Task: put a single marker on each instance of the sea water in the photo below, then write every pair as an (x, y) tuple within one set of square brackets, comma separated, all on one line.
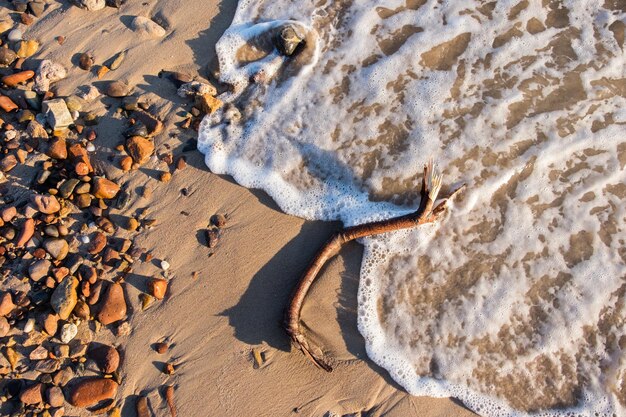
[(515, 301)]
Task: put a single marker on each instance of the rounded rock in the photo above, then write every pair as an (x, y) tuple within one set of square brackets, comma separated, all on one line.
[(107, 358), (57, 248), (46, 204), (68, 332), (113, 307), (117, 89), (91, 391), (32, 395), (64, 297)]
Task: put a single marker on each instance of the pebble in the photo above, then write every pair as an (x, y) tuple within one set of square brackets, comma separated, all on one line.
[(27, 48), (145, 26), (88, 93), (46, 204), (104, 188), (208, 104), (153, 125), (219, 220), (117, 89), (92, 5), (8, 213), (37, 7), (107, 358), (30, 325), (54, 397), (140, 149), (47, 366), (126, 163), (8, 163), (212, 237), (15, 35), (157, 288), (90, 391), (51, 323), (32, 395), (165, 177), (27, 231), (6, 304), (117, 60), (85, 61), (38, 354), (82, 310), (68, 332), (57, 149), (165, 265), (7, 104), (16, 79), (113, 305), (57, 248), (98, 243), (39, 269), (57, 114), (4, 327), (47, 73), (67, 188), (142, 407), (64, 297)]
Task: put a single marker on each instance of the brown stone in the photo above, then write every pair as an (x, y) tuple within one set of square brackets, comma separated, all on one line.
[(8, 213), (14, 80), (32, 395), (165, 177), (85, 61), (126, 163), (46, 204), (82, 310), (153, 125), (90, 391), (113, 306), (78, 155), (106, 357), (161, 348), (57, 149), (65, 297), (104, 188), (98, 242), (142, 407), (157, 288), (54, 397), (6, 304), (208, 104), (27, 231), (7, 104), (8, 163), (51, 323), (139, 149), (4, 327)]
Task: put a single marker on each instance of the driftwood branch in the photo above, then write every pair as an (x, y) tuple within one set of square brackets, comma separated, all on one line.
[(427, 212)]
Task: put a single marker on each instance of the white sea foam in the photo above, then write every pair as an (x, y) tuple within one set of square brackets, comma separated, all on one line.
[(515, 302)]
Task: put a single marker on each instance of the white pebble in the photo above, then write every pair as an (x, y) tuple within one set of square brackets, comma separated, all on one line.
[(68, 332), (15, 35), (29, 326), (85, 239), (91, 147), (165, 265), (10, 134)]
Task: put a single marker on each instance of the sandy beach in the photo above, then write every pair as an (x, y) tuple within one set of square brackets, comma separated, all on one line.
[(223, 302)]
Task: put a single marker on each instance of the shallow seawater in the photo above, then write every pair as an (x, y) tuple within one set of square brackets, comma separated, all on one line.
[(515, 302)]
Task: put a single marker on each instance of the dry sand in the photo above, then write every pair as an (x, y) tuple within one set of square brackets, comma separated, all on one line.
[(236, 303)]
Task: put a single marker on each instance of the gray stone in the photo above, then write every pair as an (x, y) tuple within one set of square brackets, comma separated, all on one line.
[(196, 88), (68, 332), (39, 269), (57, 114), (58, 248), (145, 26)]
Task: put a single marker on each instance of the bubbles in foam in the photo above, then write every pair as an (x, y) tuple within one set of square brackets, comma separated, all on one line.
[(514, 303)]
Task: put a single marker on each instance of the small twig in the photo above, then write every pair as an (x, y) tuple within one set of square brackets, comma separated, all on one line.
[(427, 212)]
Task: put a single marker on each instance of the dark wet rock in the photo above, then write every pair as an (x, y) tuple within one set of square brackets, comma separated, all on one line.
[(288, 40), (106, 357)]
